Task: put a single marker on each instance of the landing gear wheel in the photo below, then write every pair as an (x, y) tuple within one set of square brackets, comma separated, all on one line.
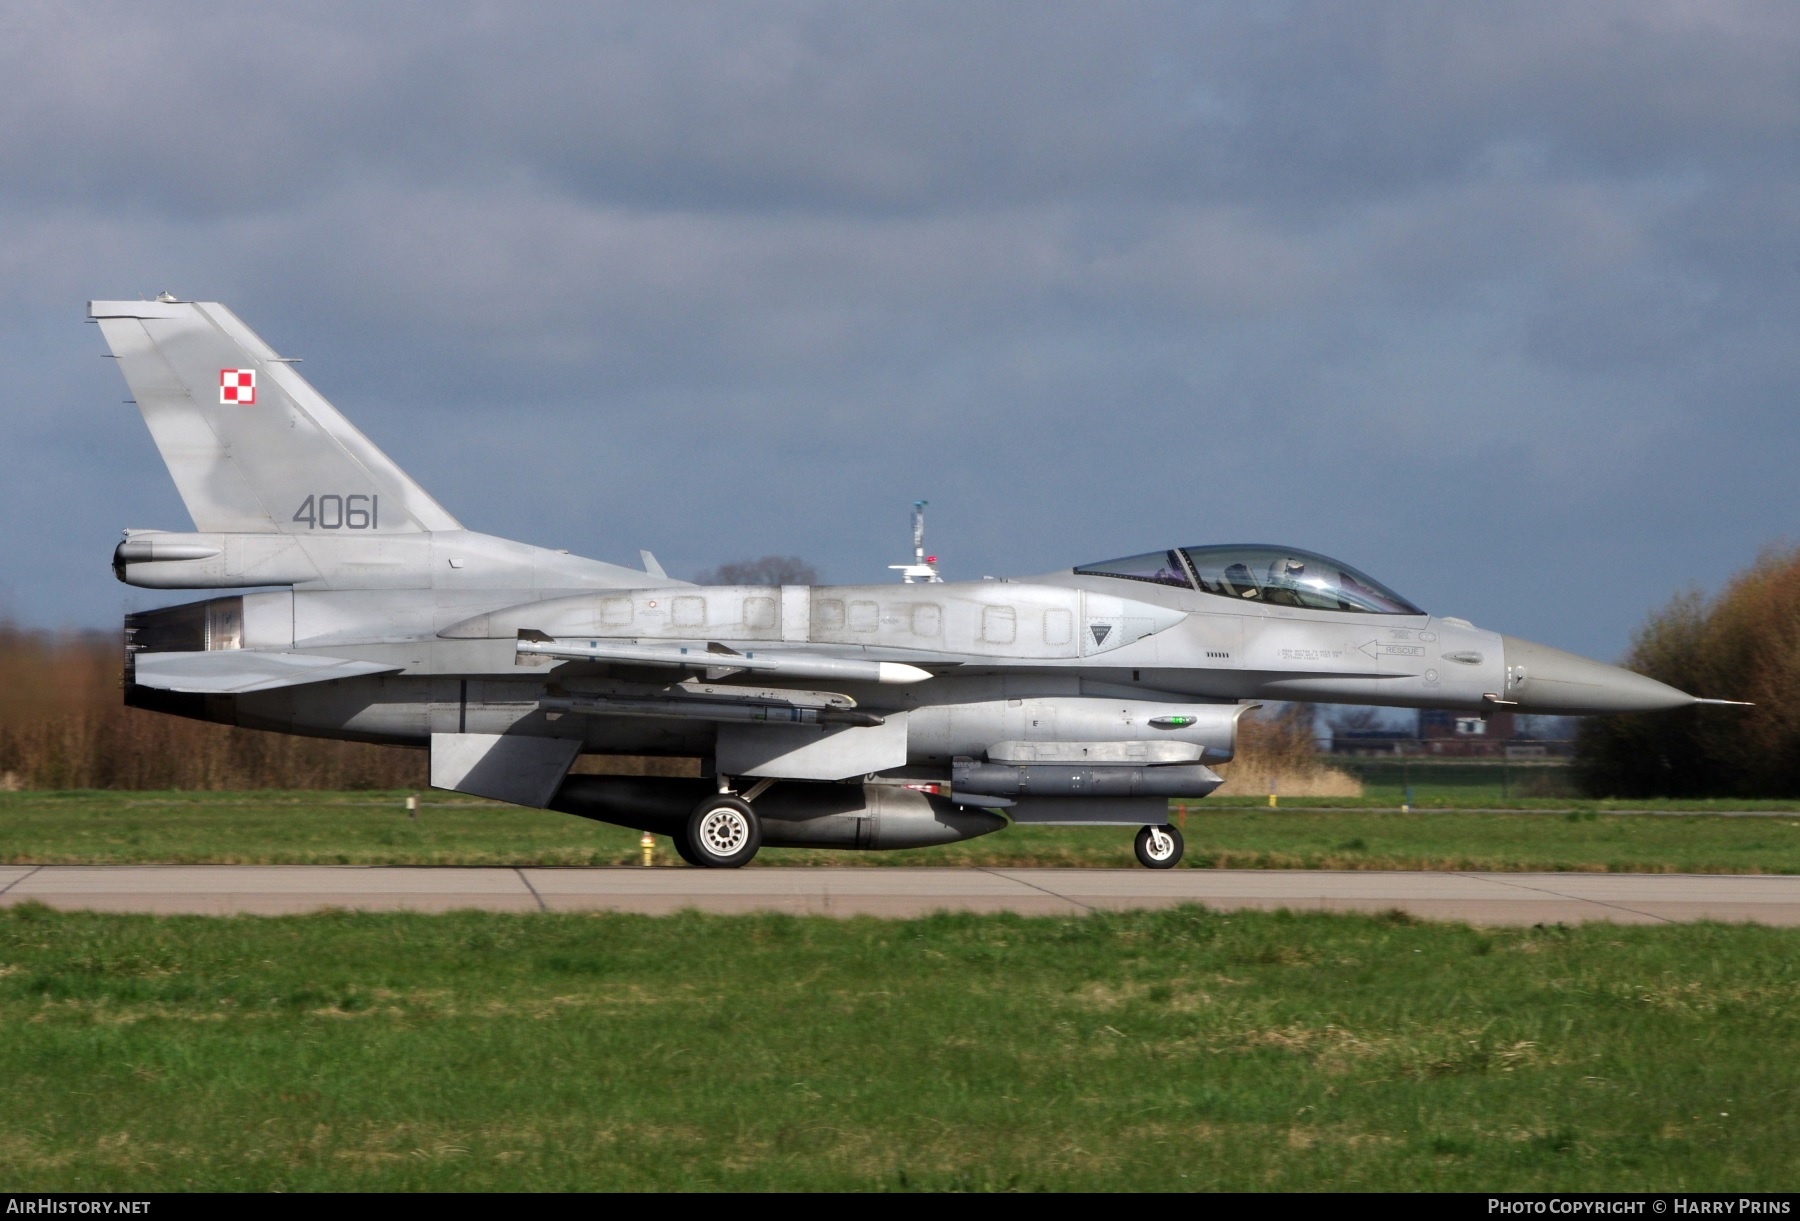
[(1158, 847), (723, 832)]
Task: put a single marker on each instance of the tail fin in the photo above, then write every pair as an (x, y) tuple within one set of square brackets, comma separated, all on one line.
[(251, 446)]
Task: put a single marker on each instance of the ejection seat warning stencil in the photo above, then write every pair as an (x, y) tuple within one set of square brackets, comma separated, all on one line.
[(237, 386)]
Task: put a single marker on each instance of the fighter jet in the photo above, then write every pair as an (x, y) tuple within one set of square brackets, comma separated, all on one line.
[(834, 716)]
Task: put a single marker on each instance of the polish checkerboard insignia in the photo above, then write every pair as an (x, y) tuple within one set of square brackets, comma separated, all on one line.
[(237, 386)]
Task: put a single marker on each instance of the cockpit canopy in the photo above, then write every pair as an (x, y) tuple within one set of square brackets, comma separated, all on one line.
[(1279, 576)]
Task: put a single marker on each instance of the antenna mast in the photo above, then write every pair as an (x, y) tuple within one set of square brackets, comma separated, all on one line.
[(923, 567)]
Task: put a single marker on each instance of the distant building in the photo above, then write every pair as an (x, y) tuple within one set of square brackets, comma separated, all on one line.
[(1454, 735), (1373, 742), (1466, 734)]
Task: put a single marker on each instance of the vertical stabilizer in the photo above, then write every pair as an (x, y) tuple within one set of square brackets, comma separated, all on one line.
[(252, 448)]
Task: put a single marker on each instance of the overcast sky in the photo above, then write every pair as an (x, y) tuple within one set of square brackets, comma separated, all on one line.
[(1494, 301)]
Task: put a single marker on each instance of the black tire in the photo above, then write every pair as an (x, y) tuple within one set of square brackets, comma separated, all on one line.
[(1163, 855), (723, 832), (679, 839)]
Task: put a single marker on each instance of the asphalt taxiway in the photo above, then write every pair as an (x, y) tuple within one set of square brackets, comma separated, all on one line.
[(1479, 898)]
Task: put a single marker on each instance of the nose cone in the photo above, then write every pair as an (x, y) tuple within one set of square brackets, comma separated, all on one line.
[(1543, 679)]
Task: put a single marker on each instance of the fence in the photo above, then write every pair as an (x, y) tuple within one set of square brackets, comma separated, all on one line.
[(1503, 777)]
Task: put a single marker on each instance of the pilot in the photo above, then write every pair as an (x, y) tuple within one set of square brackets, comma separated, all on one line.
[(1283, 586), (1239, 581)]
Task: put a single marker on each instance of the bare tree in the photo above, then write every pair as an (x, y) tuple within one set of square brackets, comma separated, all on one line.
[(1353, 718), (1544, 728), (768, 570), (1279, 737), (1742, 644)]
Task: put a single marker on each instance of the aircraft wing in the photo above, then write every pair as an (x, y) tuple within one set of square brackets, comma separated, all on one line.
[(234, 671)]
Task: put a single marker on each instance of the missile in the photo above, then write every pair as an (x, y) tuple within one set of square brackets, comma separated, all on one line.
[(690, 709), (718, 657)]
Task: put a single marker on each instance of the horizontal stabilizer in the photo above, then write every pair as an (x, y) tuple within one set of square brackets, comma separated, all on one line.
[(235, 671)]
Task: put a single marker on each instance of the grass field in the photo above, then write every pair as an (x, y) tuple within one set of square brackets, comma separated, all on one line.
[(365, 828), (1153, 1050)]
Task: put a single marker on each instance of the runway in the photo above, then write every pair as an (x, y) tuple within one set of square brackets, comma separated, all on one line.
[(1479, 898)]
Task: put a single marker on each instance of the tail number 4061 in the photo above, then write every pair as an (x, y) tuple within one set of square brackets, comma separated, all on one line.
[(321, 512)]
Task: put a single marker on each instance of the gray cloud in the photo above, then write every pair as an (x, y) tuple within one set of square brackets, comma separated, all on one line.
[(1493, 301)]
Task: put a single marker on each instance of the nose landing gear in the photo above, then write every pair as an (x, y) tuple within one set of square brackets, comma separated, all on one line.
[(1158, 847)]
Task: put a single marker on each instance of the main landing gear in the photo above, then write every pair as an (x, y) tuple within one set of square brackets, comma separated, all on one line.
[(723, 832), (1158, 847)]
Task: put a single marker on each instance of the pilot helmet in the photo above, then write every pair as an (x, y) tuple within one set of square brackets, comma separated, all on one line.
[(1286, 572)]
